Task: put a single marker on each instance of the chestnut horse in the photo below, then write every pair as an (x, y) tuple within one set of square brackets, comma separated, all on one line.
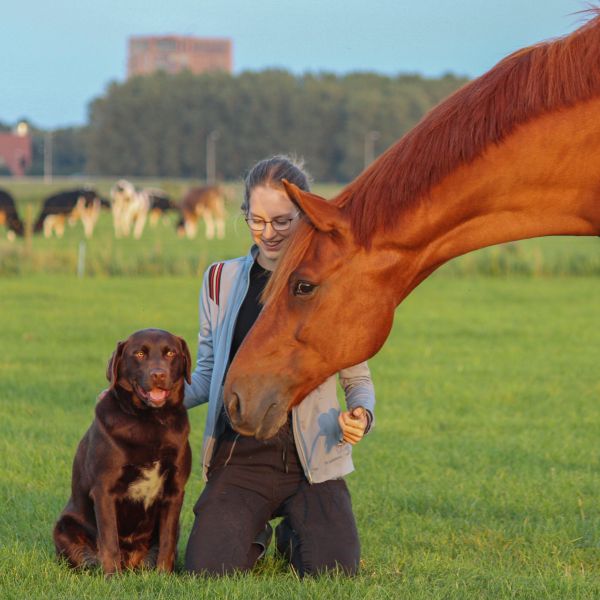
[(514, 154)]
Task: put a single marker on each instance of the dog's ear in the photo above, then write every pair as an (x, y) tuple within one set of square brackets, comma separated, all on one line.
[(112, 368), (187, 360)]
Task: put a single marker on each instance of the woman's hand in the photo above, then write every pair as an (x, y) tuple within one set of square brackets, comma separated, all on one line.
[(353, 424)]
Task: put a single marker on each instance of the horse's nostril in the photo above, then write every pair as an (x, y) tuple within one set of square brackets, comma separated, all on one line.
[(233, 408)]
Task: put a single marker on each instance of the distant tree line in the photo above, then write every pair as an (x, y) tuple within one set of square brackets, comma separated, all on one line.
[(158, 125)]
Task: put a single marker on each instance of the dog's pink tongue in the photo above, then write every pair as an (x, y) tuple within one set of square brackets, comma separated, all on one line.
[(157, 395)]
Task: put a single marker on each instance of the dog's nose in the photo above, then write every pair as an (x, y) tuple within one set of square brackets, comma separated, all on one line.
[(158, 376)]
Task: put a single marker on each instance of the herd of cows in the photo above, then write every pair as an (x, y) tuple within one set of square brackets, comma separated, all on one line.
[(131, 208)]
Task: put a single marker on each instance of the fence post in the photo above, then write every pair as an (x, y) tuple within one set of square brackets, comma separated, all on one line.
[(81, 260), (28, 234)]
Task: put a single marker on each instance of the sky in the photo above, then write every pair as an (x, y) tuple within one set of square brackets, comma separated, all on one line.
[(55, 57)]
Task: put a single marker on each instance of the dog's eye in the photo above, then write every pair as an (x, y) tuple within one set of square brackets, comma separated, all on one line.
[(140, 354), (170, 353)]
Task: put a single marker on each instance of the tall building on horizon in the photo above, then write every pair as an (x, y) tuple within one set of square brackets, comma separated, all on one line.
[(175, 53)]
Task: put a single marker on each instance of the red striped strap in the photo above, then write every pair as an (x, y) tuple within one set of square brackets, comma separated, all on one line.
[(214, 282)]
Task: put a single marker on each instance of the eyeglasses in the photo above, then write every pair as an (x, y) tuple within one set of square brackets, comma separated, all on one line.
[(279, 224)]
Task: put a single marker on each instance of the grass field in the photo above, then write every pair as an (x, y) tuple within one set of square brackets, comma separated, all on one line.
[(480, 479)]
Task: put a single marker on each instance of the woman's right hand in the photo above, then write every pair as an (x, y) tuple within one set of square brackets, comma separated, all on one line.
[(353, 424)]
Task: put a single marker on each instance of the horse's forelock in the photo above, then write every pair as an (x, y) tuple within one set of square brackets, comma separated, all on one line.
[(295, 251)]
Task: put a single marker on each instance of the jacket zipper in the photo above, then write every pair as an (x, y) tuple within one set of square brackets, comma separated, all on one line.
[(299, 445)]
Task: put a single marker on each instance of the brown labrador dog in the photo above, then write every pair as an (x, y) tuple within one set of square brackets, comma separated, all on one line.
[(131, 466)]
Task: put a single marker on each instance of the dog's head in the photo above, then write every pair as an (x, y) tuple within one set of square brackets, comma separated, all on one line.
[(152, 364)]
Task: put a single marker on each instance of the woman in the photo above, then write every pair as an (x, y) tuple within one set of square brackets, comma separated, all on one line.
[(297, 474)]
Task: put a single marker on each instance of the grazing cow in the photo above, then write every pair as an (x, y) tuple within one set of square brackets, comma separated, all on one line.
[(9, 216), (159, 202), (203, 202), (131, 208), (69, 206)]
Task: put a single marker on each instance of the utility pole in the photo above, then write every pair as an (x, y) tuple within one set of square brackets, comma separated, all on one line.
[(48, 157), (211, 156)]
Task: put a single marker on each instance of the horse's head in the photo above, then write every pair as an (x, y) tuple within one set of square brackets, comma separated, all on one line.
[(328, 306), (497, 161)]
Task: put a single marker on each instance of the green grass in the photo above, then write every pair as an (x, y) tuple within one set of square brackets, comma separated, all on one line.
[(480, 479)]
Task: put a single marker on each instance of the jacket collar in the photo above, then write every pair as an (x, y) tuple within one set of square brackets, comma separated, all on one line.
[(252, 254)]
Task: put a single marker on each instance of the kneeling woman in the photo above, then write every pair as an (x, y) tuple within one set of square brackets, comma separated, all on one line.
[(298, 474)]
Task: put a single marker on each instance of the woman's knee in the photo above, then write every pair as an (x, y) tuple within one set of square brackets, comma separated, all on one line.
[(211, 553), (311, 554), (222, 539), (319, 531)]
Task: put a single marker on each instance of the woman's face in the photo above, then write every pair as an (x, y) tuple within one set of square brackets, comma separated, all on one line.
[(272, 211)]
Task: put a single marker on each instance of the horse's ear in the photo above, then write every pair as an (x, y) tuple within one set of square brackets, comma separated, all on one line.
[(323, 215)]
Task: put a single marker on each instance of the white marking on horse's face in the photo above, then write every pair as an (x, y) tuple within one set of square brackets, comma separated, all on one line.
[(148, 487)]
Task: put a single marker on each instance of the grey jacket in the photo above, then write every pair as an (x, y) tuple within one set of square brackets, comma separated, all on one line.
[(315, 420)]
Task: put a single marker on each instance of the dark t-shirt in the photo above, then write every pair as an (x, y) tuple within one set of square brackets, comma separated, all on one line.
[(250, 308), (248, 313)]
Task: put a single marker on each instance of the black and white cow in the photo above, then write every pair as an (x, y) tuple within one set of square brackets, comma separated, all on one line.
[(131, 207), (160, 203), (69, 206), (9, 216)]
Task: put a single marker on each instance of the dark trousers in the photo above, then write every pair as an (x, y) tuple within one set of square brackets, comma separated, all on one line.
[(251, 482)]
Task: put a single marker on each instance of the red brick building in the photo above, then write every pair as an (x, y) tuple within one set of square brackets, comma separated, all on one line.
[(173, 53), (15, 152)]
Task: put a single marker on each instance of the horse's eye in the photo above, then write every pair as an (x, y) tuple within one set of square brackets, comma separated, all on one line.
[(304, 288)]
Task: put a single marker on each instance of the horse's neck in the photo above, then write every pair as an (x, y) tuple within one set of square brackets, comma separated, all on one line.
[(542, 180)]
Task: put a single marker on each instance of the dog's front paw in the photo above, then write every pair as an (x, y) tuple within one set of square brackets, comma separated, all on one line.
[(111, 564), (166, 564)]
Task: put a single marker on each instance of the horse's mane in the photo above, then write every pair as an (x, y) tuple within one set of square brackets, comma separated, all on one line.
[(526, 84)]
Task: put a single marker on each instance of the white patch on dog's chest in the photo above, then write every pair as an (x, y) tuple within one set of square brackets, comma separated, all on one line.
[(148, 486)]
